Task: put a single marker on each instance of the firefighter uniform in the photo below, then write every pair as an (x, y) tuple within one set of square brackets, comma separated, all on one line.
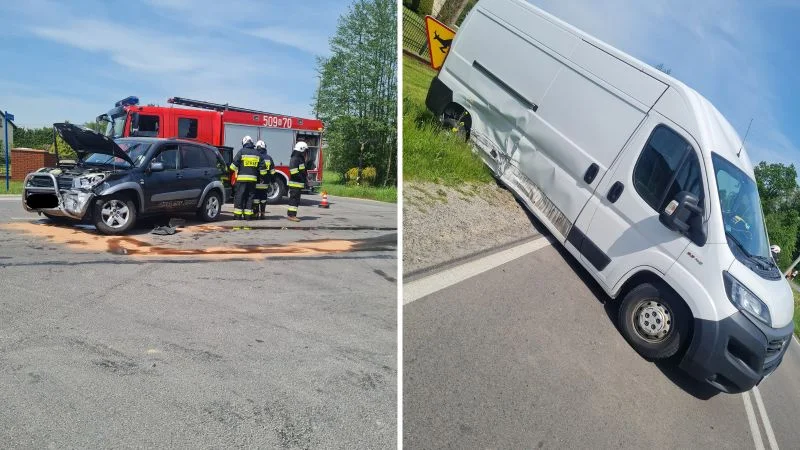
[(248, 165), (297, 178), (260, 201)]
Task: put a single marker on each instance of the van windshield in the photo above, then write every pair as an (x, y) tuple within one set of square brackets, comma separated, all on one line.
[(741, 209)]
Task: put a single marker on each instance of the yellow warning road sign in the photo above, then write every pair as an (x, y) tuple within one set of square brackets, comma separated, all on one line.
[(439, 39)]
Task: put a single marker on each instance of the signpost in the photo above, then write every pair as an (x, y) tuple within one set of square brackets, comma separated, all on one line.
[(440, 37), (7, 117)]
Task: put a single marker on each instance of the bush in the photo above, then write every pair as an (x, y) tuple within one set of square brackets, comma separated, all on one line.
[(425, 7), (368, 176)]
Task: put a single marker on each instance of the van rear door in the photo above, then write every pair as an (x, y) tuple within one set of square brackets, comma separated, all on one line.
[(619, 229)]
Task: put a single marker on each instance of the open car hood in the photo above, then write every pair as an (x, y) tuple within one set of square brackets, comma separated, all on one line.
[(85, 141)]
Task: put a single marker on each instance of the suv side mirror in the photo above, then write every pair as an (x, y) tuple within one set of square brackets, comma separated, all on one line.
[(683, 215), (156, 166)]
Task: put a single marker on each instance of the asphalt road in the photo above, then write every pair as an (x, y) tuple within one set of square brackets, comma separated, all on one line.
[(283, 336), (526, 355)]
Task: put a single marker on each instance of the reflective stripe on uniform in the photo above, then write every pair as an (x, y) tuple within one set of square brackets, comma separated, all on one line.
[(294, 184), (232, 167), (263, 172), (294, 171), (237, 211), (302, 167), (261, 186), (267, 164), (292, 209), (256, 201), (272, 172), (246, 178), (250, 161), (248, 212)]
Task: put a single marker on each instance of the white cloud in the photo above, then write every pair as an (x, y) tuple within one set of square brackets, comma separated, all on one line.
[(715, 46), (300, 39)]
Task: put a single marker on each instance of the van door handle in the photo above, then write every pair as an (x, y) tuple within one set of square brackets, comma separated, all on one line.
[(615, 192), (591, 173), (178, 175)]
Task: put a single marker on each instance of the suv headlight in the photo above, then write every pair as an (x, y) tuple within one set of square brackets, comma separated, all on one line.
[(742, 298), (88, 181)]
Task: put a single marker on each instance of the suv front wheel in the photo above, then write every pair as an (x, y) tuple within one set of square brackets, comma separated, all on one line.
[(115, 214)]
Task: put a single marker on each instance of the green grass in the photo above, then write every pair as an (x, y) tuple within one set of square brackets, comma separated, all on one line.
[(333, 185), (796, 312), (15, 187), (431, 153)]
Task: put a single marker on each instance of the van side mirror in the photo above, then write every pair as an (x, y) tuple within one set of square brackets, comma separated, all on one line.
[(156, 166), (683, 215)]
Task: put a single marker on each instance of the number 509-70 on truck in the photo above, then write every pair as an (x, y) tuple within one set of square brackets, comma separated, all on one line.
[(223, 126)]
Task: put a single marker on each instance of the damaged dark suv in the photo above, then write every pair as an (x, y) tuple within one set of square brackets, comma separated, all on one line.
[(112, 183)]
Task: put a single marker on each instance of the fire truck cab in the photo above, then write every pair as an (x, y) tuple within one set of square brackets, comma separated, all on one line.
[(223, 126)]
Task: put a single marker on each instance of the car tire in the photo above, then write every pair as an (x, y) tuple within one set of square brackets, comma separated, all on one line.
[(277, 190), (655, 321), (115, 214), (211, 208)]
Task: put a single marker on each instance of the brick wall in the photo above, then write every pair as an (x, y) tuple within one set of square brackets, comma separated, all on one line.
[(27, 160)]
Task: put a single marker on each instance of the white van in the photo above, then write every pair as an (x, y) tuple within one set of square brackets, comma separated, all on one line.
[(638, 175)]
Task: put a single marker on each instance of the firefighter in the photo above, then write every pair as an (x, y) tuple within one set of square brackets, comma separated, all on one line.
[(297, 178), (260, 201), (248, 166)]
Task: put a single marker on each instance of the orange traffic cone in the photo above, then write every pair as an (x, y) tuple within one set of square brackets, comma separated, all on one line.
[(324, 203)]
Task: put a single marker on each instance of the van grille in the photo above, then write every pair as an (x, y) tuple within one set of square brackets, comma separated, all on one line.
[(775, 346)]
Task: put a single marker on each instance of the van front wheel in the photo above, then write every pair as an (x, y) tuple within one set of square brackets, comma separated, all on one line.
[(654, 321)]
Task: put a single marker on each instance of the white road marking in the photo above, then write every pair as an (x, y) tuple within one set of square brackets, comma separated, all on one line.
[(5, 198), (773, 444), (751, 419), (417, 289)]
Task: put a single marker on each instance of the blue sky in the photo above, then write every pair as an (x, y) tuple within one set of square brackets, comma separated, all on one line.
[(73, 60), (740, 54)]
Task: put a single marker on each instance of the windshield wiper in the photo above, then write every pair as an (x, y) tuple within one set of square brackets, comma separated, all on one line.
[(757, 258), (738, 244)]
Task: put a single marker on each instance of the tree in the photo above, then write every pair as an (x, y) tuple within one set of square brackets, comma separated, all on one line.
[(778, 189), (99, 127), (777, 185), (357, 93)]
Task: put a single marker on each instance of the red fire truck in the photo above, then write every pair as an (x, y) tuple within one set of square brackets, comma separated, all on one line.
[(223, 126)]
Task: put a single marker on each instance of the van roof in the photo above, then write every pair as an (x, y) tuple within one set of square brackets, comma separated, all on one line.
[(705, 122)]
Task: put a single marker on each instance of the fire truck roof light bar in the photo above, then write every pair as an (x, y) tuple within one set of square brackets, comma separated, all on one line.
[(216, 106), (127, 101)]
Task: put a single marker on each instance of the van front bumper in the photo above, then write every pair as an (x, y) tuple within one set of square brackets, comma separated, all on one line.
[(736, 353)]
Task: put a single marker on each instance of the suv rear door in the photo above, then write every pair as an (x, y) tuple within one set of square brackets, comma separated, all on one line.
[(198, 171)]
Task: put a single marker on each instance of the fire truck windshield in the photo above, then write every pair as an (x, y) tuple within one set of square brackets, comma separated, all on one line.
[(115, 122)]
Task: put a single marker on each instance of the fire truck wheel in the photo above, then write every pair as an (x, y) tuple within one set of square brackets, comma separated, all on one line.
[(211, 207), (277, 190)]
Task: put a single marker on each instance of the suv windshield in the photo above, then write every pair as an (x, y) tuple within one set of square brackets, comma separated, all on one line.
[(136, 150), (741, 209)]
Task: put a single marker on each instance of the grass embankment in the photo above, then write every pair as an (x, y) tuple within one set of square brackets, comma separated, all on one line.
[(15, 187), (431, 153), (333, 184)]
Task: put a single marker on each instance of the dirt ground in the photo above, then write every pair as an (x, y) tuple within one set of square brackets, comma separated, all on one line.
[(442, 224)]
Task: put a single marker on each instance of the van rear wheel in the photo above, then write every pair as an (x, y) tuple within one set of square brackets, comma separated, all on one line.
[(276, 191), (654, 321)]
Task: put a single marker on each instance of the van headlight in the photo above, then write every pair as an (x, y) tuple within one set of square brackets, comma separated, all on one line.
[(742, 298), (88, 181)]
